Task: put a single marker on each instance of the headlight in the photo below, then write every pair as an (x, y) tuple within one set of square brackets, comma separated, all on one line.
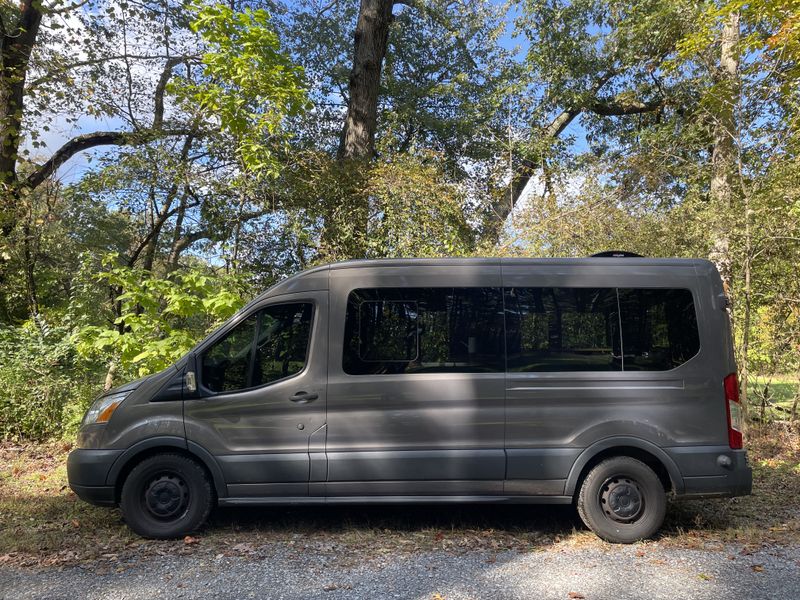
[(102, 408)]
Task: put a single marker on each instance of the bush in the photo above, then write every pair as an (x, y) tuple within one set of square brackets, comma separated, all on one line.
[(44, 385)]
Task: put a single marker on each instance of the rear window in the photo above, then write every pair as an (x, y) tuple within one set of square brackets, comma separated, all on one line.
[(599, 329), (659, 328)]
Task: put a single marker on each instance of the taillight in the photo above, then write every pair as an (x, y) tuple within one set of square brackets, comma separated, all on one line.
[(734, 409)]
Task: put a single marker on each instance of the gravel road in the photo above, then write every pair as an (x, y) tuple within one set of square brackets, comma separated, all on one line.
[(284, 571)]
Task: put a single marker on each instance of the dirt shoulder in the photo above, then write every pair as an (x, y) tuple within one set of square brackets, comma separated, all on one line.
[(42, 523)]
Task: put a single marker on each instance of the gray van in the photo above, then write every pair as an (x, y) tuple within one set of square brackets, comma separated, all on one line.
[(605, 382)]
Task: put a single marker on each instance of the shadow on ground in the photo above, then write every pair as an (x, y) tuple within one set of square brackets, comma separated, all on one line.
[(531, 522)]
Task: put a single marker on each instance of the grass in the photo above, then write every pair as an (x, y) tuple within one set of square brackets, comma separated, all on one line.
[(42, 523), (779, 391)]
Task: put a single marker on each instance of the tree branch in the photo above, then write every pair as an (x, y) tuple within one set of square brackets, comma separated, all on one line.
[(158, 113), (88, 141), (62, 69), (616, 107), (72, 147), (606, 107)]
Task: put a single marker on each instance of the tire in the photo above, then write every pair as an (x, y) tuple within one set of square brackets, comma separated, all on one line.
[(622, 500), (166, 496)]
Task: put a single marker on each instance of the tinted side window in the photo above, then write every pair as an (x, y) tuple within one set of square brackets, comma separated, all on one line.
[(226, 365), (267, 346), (423, 330), (562, 329), (659, 328), (282, 344)]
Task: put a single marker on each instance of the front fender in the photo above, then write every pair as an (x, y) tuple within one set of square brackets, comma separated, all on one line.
[(167, 442)]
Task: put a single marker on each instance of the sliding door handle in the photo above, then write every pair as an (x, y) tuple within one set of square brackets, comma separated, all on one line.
[(304, 397)]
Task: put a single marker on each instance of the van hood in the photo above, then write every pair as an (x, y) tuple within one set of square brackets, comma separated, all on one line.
[(132, 385), (127, 387)]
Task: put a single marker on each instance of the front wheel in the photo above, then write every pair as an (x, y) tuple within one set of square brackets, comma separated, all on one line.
[(622, 500), (166, 496)]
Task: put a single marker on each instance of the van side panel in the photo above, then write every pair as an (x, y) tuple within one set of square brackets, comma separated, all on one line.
[(553, 417)]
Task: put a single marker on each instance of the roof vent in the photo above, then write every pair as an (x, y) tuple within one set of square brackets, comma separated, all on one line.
[(616, 254)]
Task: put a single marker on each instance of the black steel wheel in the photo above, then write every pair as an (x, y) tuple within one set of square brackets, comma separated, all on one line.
[(166, 496), (622, 500)]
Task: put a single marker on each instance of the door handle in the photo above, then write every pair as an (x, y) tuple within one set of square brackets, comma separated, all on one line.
[(304, 397)]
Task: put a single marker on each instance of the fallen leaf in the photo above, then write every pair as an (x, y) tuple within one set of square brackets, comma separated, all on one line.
[(75, 523), (576, 595), (190, 540), (758, 568)]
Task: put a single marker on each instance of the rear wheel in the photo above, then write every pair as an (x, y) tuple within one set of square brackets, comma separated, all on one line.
[(622, 500), (166, 496)]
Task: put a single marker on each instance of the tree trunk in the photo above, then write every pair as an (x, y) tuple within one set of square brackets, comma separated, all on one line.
[(744, 367), (29, 259), (110, 375), (522, 174), (350, 220), (724, 156), (371, 40), (15, 52), (174, 248)]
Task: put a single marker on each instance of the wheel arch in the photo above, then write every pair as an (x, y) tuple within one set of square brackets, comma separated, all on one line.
[(160, 444), (637, 448)]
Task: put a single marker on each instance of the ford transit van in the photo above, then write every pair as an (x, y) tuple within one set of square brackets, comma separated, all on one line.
[(609, 383)]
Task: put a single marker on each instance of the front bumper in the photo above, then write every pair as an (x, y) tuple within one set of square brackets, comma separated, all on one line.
[(87, 472), (713, 471)]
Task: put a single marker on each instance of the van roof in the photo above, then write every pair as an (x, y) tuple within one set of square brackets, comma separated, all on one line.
[(607, 261), (313, 278)]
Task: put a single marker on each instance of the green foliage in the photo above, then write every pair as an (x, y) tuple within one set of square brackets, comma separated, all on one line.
[(404, 207), (417, 212), (158, 319), (46, 384), (250, 85)]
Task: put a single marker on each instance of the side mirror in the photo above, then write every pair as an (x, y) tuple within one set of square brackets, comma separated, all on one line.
[(190, 382), (190, 388), (182, 385)]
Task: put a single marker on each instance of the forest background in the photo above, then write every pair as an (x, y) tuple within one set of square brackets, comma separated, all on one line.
[(161, 162)]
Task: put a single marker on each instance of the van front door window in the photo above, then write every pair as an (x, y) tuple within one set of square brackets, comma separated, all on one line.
[(266, 347)]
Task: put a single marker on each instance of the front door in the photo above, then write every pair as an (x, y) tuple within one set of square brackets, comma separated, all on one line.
[(262, 386)]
